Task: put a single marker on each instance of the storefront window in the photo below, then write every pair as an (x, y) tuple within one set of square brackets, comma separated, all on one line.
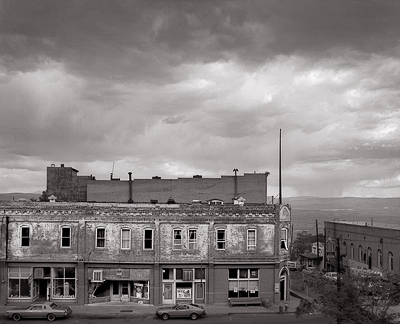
[(18, 283), (243, 283), (64, 283), (140, 289)]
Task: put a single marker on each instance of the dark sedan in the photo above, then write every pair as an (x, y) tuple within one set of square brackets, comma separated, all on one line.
[(192, 311), (48, 310)]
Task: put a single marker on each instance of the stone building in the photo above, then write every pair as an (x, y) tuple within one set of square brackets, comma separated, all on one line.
[(84, 253), (362, 246)]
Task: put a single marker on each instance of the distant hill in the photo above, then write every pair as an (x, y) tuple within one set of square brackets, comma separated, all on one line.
[(382, 212), (17, 195)]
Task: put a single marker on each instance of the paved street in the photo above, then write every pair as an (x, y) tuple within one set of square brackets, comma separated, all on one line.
[(220, 319)]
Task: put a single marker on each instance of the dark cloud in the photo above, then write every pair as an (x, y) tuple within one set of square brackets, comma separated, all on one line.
[(182, 87)]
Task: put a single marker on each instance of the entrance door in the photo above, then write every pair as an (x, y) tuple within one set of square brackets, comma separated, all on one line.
[(120, 291), (115, 295), (167, 294), (199, 292)]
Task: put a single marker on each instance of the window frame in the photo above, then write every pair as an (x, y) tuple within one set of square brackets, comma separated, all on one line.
[(284, 238), (218, 241), (390, 261), (177, 242), (128, 240), (146, 240), (379, 258), (66, 237), (24, 237), (99, 239), (192, 242), (99, 275), (251, 247)]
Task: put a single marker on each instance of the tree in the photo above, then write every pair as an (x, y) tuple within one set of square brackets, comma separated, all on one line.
[(356, 297), (303, 243)]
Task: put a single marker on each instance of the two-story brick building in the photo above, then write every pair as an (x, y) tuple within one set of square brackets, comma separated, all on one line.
[(149, 253)]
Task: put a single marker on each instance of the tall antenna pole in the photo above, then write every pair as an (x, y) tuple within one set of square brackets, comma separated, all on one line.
[(280, 166)]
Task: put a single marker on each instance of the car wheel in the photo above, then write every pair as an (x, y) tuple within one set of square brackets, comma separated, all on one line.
[(51, 317), (165, 316), (16, 317), (194, 316)]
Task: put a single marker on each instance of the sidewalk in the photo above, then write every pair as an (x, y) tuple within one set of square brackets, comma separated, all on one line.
[(129, 309)]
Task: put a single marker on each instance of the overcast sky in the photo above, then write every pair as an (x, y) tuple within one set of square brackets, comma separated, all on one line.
[(177, 88)]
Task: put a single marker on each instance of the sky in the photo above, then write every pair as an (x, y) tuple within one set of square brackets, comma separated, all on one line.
[(175, 88)]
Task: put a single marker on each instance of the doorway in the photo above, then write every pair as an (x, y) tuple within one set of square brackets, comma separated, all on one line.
[(120, 291), (167, 294), (283, 285)]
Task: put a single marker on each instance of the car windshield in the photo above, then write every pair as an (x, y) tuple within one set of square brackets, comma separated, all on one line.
[(53, 305)]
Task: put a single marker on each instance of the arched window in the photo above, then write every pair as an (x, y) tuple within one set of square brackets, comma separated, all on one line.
[(369, 258), (390, 261), (380, 261), (344, 250), (360, 254), (352, 251)]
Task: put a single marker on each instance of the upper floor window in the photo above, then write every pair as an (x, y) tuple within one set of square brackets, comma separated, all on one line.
[(65, 237), (125, 239), (100, 237), (25, 236), (192, 239), (352, 251), (380, 261), (148, 239), (390, 261), (251, 239), (221, 237), (284, 238), (177, 239)]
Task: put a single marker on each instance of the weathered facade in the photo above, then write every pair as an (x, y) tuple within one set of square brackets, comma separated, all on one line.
[(362, 246), (66, 185), (149, 253)]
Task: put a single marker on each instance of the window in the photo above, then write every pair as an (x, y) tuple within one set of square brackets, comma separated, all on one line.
[(64, 283), (65, 237), (284, 238), (97, 276), (148, 239), (19, 285), (243, 283), (251, 239), (192, 239), (390, 261), (360, 254), (352, 251), (221, 239), (25, 236), (177, 239), (125, 239), (100, 237), (380, 263)]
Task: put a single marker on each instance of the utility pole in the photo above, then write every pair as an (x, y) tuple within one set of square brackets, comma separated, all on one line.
[(236, 190), (280, 166), (316, 228), (338, 319)]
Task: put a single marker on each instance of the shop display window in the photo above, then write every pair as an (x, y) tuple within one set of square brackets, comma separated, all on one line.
[(243, 283), (19, 283), (64, 285)]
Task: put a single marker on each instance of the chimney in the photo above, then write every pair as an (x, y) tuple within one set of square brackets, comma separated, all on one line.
[(130, 201)]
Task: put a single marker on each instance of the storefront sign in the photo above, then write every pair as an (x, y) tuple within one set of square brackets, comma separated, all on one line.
[(182, 293)]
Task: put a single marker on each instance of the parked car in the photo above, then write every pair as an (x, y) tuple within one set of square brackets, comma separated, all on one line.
[(331, 275), (192, 311), (47, 310)]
